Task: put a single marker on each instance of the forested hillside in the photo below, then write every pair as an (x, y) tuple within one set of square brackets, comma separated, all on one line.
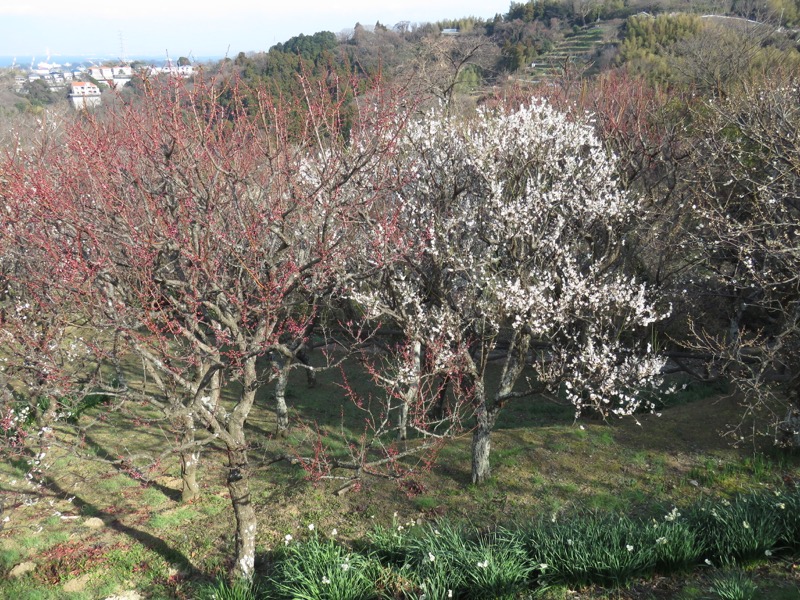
[(666, 42)]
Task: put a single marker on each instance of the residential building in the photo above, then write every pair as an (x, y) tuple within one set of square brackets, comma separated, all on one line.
[(84, 94)]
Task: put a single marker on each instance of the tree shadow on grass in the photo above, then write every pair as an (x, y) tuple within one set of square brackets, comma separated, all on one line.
[(157, 545), (124, 469)]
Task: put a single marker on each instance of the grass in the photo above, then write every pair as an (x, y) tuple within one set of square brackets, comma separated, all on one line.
[(173, 519), (578, 550), (544, 464), (9, 558), (154, 497), (734, 584), (42, 540), (116, 483)]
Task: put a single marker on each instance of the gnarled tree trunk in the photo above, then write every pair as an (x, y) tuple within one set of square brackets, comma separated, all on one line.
[(239, 476), (481, 437), (238, 482), (412, 391), (486, 413), (281, 410), (189, 458)]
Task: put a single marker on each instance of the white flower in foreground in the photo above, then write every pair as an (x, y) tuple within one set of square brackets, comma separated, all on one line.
[(767, 552), (325, 580), (311, 527), (287, 538), (661, 541), (745, 524), (334, 533), (543, 566), (431, 557), (483, 564), (449, 593), (629, 548)]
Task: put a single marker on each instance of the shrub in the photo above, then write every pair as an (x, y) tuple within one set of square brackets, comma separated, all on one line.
[(598, 549), (742, 529), (320, 569), (449, 560), (222, 590), (733, 585), (786, 509)]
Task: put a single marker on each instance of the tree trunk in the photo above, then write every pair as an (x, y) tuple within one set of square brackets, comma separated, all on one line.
[(411, 392), (304, 356), (190, 457), (281, 410), (244, 513), (189, 460), (441, 400), (191, 489), (239, 476), (789, 428), (481, 437), (481, 447), (402, 421), (486, 415)]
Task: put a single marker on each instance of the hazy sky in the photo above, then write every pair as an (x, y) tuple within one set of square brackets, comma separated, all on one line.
[(200, 27)]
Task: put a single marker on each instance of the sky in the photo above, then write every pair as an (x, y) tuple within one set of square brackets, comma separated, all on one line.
[(200, 27)]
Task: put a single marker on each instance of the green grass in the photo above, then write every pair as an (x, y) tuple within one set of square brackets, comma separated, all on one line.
[(733, 584), (8, 559), (153, 497), (42, 540), (23, 589), (544, 464), (211, 506), (550, 555), (608, 502), (604, 437), (507, 457), (173, 519), (223, 590), (116, 483), (425, 503)]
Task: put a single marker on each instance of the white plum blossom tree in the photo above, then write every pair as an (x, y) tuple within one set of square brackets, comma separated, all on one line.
[(518, 222)]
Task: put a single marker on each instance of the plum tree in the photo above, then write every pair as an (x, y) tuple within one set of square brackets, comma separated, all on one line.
[(519, 222)]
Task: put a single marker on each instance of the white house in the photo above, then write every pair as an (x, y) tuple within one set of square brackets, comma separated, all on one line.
[(120, 71), (84, 94), (184, 71)]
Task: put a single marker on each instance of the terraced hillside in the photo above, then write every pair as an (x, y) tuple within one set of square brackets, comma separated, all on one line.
[(576, 47)]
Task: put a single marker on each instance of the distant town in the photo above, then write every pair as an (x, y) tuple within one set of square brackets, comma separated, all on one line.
[(85, 82)]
